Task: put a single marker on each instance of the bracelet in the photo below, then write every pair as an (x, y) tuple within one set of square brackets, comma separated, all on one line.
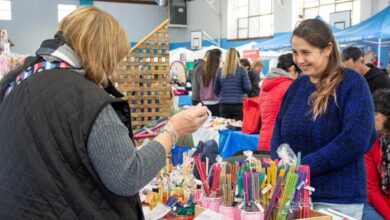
[(169, 130)]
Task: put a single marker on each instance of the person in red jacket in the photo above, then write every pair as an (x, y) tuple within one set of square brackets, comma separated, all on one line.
[(378, 161), (271, 95)]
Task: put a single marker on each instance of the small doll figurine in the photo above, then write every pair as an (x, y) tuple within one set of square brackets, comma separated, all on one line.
[(4, 43)]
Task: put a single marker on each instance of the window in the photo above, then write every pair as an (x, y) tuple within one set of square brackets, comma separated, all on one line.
[(250, 19), (5, 10), (64, 10), (323, 8)]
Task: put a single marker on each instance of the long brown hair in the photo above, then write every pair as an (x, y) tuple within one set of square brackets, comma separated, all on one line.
[(230, 64), (210, 68), (98, 40), (318, 34)]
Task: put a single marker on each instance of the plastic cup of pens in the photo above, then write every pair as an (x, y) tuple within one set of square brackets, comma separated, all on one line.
[(251, 213), (204, 201), (294, 209), (212, 203), (229, 211)]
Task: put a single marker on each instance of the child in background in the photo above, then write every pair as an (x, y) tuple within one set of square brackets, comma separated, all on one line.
[(378, 161), (253, 75)]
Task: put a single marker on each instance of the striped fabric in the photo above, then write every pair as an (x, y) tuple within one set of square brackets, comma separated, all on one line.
[(38, 67)]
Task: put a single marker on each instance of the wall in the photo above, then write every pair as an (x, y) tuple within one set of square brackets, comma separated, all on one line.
[(283, 9), (200, 16), (366, 9), (378, 5), (138, 20), (32, 22)]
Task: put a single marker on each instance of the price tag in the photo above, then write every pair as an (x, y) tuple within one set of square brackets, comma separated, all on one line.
[(236, 199), (300, 185), (266, 189), (309, 188), (259, 207)]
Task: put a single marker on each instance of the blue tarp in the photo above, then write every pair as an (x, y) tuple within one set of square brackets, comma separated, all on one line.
[(230, 142), (184, 100), (375, 27), (374, 31), (278, 42)]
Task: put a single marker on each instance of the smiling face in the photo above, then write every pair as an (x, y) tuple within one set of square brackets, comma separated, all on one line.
[(312, 60)]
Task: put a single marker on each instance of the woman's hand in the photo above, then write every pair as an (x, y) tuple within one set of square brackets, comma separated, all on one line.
[(182, 123), (189, 120)]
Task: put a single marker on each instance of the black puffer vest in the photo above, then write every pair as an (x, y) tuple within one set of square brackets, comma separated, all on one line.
[(45, 171)]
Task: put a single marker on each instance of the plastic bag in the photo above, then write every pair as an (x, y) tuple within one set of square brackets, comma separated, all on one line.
[(251, 116), (286, 155)]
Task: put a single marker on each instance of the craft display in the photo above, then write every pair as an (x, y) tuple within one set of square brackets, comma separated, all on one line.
[(254, 189), (144, 78), (245, 189), (176, 188), (218, 123)]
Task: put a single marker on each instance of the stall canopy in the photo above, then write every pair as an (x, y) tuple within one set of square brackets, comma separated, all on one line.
[(375, 27), (374, 30), (177, 55), (278, 42), (198, 54), (247, 46)]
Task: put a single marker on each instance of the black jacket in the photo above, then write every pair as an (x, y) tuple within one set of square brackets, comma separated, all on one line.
[(255, 79), (45, 171), (196, 72), (377, 79)]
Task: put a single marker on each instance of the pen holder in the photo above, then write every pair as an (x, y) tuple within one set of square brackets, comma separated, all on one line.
[(198, 197), (283, 211), (294, 210), (214, 203), (211, 203), (229, 211), (237, 214), (245, 215)]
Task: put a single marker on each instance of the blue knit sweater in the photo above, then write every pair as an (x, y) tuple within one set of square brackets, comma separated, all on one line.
[(334, 144), (232, 89)]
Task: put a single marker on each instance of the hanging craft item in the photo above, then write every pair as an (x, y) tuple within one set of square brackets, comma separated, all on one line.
[(178, 73)]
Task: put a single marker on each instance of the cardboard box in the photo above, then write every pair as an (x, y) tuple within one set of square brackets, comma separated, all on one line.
[(198, 210), (314, 215)]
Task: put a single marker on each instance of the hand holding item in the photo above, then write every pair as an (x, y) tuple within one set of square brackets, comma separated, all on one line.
[(189, 120)]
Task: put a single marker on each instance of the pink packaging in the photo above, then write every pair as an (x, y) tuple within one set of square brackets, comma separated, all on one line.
[(229, 211), (237, 214), (251, 215), (214, 203), (205, 201)]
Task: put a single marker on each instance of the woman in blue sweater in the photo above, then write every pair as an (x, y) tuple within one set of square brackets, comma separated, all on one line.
[(328, 116), (232, 85)]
